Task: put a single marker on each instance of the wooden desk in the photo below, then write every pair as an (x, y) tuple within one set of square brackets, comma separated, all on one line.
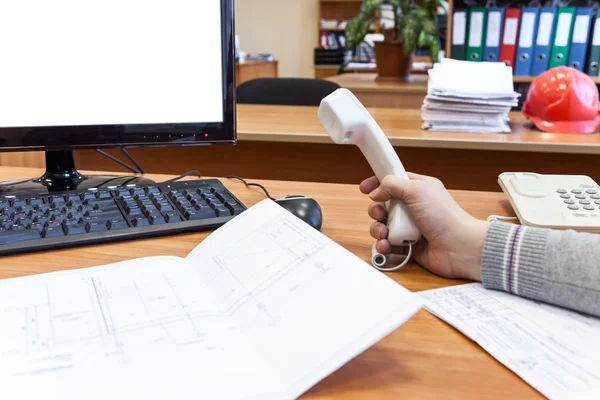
[(289, 143), (249, 70), (373, 93), (425, 358)]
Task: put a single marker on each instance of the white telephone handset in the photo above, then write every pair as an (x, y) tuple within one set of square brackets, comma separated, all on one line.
[(348, 122)]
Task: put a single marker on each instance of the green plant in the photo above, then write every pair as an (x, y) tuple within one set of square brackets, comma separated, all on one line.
[(415, 26)]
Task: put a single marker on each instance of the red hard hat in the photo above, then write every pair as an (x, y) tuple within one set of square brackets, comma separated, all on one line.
[(563, 100)]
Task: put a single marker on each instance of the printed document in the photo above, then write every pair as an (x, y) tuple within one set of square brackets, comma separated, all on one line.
[(264, 308), (554, 350)]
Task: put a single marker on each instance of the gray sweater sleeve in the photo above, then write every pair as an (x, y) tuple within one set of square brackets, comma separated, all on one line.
[(553, 266)]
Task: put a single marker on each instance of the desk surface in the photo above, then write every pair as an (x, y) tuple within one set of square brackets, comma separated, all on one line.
[(367, 82), (425, 358), (403, 128)]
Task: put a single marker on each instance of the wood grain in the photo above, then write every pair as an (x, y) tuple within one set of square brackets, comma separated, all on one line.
[(385, 94), (424, 358)]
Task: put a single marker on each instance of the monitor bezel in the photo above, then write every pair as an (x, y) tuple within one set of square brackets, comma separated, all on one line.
[(142, 135)]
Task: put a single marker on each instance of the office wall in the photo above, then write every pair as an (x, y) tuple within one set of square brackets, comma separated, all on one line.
[(285, 28)]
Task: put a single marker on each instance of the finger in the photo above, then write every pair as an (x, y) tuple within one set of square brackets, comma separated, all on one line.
[(368, 185), (378, 230), (377, 212), (393, 187), (383, 246), (416, 177)]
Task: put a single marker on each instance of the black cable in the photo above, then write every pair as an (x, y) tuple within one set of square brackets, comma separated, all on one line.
[(117, 161), (195, 172), (138, 166), (250, 184)]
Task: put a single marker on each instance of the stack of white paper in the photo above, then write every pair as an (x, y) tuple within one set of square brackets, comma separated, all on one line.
[(469, 96)]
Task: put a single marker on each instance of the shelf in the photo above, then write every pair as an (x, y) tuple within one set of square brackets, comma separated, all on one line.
[(528, 79)]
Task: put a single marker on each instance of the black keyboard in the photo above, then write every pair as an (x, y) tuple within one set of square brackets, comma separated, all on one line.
[(73, 218)]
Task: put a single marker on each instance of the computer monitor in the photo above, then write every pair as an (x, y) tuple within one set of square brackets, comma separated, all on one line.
[(84, 74)]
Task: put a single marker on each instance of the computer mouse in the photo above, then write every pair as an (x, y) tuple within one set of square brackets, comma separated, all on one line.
[(305, 208)]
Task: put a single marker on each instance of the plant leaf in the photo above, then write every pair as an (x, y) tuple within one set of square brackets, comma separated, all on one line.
[(434, 49), (356, 30), (370, 6), (410, 31), (429, 26), (396, 3)]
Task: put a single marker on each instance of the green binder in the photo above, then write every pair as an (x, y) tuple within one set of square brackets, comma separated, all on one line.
[(563, 30), (594, 53), (459, 34), (476, 35)]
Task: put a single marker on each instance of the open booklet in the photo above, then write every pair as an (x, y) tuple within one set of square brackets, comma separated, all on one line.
[(264, 308)]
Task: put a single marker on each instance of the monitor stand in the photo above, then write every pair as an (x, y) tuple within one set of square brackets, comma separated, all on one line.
[(61, 175)]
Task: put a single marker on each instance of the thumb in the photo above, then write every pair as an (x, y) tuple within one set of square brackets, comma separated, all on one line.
[(393, 187)]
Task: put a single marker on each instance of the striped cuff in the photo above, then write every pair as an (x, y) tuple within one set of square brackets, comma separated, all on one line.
[(513, 259)]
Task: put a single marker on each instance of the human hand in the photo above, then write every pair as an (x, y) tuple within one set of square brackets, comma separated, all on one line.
[(452, 240)]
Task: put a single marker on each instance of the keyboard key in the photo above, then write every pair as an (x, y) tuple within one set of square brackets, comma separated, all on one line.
[(103, 194), (156, 219), (95, 227), (117, 224), (140, 221), (74, 229), (36, 202), (172, 216), (164, 206), (222, 211), (103, 214), (19, 202), (87, 196), (193, 216), (37, 226), (53, 232), (237, 210), (133, 210), (7, 237), (152, 190)]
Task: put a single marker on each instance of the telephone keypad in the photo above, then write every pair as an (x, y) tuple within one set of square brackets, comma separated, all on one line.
[(590, 199)]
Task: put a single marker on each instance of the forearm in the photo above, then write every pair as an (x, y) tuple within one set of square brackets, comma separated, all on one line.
[(552, 266)]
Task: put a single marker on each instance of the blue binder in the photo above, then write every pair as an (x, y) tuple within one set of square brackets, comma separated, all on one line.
[(526, 45), (581, 37), (544, 39), (493, 37)]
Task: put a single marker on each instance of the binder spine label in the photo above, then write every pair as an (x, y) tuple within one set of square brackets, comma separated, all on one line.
[(562, 30), (543, 37), (476, 29), (526, 37), (510, 31), (581, 29), (596, 36), (493, 29), (459, 23)]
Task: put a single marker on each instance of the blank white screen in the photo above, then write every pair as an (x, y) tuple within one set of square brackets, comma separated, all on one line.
[(92, 62)]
